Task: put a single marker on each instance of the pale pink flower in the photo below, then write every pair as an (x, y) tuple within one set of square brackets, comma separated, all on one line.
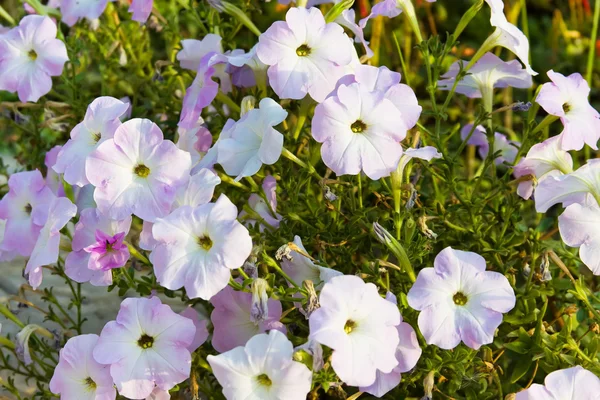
[(197, 248), (200, 94), (359, 326), (79, 265), (232, 319), (262, 370), (137, 172), (147, 345), (99, 124), (408, 353), (305, 54), (301, 268), (141, 10), (30, 55), (45, 251), (579, 226), (24, 208), (195, 141), (267, 210), (78, 376), (567, 98), (53, 179), (460, 300), (74, 10), (574, 383), (108, 252), (200, 324), (543, 160)]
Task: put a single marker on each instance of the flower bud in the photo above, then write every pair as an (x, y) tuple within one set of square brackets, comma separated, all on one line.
[(248, 103), (22, 340), (428, 383), (260, 308)]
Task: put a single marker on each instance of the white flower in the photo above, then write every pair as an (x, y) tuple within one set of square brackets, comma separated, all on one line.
[(262, 370)]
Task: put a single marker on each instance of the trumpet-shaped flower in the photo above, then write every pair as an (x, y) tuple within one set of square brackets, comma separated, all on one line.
[(581, 186), (74, 10), (347, 19), (543, 160), (195, 141), (199, 190), (246, 69), (579, 226), (200, 324), (574, 383), (300, 268), (146, 345), (507, 35), (567, 98), (108, 252), (232, 320), (78, 376), (200, 94), (99, 124), (267, 210), (508, 148), (251, 142), (359, 326), (360, 131), (24, 208), (194, 50), (487, 74), (30, 55), (137, 172), (262, 370), (197, 248), (305, 54), (460, 300), (79, 264), (141, 10), (391, 9), (408, 353), (45, 251)]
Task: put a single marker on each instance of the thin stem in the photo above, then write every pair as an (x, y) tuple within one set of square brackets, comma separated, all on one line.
[(592, 50), (360, 199), (7, 16)]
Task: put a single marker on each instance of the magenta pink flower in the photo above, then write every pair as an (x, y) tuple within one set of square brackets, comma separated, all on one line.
[(137, 172), (78, 376), (233, 323), (147, 345), (79, 264), (574, 383), (305, 54), (30, 55), (460, 300), (108, 252), (99, 125), (567, 98), (45, 252), (141, 10), (24, 208)]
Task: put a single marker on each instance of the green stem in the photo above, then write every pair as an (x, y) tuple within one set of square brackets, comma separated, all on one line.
[(7, 16), (136, 254), (223, 98), (272, 263), (302, 115), (360, 199), (592, 50), (292, 157)]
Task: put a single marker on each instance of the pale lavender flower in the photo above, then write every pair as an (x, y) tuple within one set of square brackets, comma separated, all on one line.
[(359, 326), (487, 74), (141, 10), (78, 375), (243, 147), (196, 141), (266, 209), (74, 10), (301, 268), (262, 370), (460, 300), (360, 130), (508, 148), (347, 19), (200, 94), (408, 353), (305, 54), (53, 179), (147, 345), (99, 125), (30, 55), (574, 383), (579, 226), (391, 9), (232, 320), (45, 251), (198, 247), (24, 208), (200, 324), (137, 172), (543, 160), (567, 98)]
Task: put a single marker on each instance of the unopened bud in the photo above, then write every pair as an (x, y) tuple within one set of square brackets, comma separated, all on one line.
[(425, 229), (545, 268), (248, 103), (428, 383), (260, 301), (328, 194)]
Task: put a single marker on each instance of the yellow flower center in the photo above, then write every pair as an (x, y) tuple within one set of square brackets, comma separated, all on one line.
[(264, 380), (141, 170), (303, 51), (358, 126), (350, 326), (145, 341), (460, 299)]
